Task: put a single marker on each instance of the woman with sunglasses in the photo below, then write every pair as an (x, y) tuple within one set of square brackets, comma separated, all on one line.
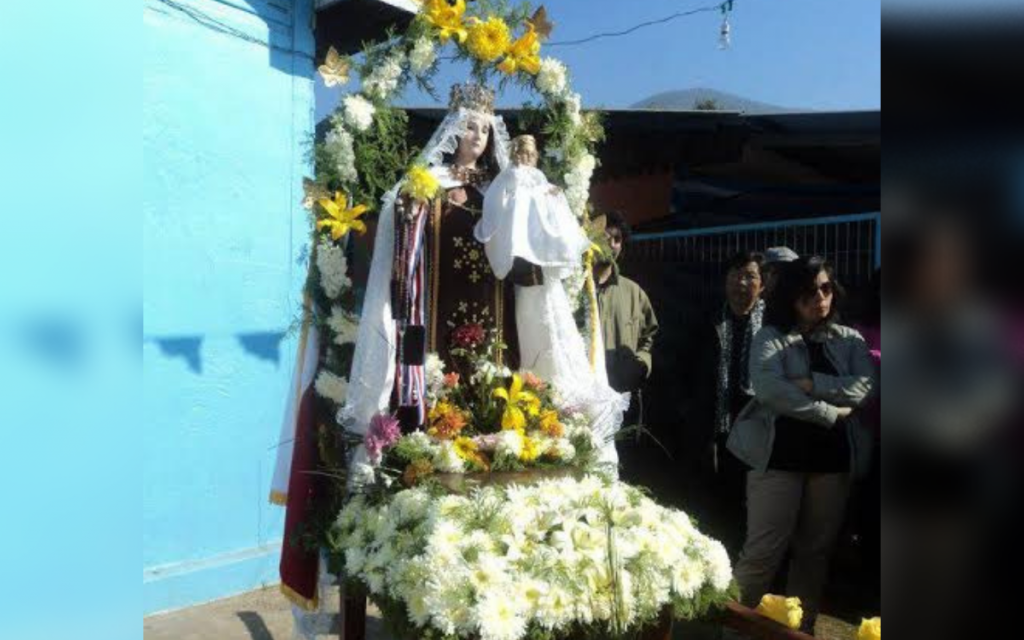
[(801, 434)]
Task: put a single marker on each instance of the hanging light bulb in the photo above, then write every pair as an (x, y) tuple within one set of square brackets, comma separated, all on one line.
[(725, 32)]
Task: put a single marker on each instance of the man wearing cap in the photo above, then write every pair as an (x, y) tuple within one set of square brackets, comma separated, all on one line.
[(773, 258)]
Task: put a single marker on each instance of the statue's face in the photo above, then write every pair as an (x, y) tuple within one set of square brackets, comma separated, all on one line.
[(526, 152), (473, 142)]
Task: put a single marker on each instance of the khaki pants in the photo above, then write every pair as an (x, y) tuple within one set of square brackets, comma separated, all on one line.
[(797, 512)]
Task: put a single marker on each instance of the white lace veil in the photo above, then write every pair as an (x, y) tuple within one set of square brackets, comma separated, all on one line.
[(446, 138), (373, 364)]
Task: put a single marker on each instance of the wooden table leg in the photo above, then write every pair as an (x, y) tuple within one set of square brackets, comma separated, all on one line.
[(353, 616)]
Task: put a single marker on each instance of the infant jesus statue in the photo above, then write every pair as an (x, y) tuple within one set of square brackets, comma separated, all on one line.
[(527, 220)]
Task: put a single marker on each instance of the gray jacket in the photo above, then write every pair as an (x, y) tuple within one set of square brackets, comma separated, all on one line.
[(776, 359)]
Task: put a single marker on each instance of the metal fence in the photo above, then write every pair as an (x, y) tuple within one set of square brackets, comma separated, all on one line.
[(686, 266)]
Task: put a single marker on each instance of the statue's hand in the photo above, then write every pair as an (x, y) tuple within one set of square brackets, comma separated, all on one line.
[(457, 196)]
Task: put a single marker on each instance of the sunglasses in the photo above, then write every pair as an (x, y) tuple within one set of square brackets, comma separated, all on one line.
[(827, 289)]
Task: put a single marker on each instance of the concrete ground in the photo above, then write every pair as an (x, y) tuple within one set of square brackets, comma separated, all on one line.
[(265, 614)]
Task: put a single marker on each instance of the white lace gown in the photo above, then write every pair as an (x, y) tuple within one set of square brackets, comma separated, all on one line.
[(524, 217)]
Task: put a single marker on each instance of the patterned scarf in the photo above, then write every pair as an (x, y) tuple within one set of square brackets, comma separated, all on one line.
[(723, 421)]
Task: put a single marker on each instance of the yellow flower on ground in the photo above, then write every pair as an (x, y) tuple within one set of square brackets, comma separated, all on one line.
[(446, 18), (870, 629), (785, 611), (531, 450), (420, 184), (523, 54), (340, 218), (550, 425), (489, 39), (517, 400)]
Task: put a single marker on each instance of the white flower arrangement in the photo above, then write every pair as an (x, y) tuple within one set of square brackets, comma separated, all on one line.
[(510, 445), (433, 369), (577, 183), (358, 112), (447, 460), (330, 386), (338, 144), (383, 81), (330, 261), (422, 56), (549, 557), (552, 78), (573, 106)]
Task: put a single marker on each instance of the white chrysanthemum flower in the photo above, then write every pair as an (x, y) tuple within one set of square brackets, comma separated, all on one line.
[(488, 572), (552, 77), (330, 386), (447, 460), (687, 578), (449, 506), (338, 145), (564, 450), (533, 593), (717, 563), (341, 324), (361, 474), (573, 105), (411, 505), (450, 601), (500, 616), (383, 80), (358, 112), (510, 444), (433, 369), (422, 56), (330, 261), (416, 605), (355, 558)]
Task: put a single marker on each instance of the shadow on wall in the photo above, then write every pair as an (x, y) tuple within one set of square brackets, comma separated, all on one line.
[(263, 345), (282, 26)]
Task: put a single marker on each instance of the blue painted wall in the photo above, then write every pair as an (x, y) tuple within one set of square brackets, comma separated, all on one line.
[(227, 112)]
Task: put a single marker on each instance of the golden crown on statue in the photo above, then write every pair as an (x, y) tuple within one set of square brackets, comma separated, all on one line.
[(472, 96)]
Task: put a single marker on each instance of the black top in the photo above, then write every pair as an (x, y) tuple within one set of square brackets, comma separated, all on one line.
[(738, 363), (810, 448)]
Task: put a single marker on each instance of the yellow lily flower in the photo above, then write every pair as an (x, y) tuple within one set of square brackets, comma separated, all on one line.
[(340, 218), (516, 400), (447, 19), (523, 54)]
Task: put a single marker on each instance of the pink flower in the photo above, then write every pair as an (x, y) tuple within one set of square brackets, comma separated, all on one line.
[(451, 380), (383, 433), (533, 381)]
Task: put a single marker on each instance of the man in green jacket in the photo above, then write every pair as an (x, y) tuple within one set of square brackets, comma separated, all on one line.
[(628, 324)]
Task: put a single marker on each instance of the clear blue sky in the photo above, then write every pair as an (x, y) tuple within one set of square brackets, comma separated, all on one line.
[(814, 54)]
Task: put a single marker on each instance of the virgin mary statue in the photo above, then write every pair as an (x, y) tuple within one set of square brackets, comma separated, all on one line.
[(430, 276)]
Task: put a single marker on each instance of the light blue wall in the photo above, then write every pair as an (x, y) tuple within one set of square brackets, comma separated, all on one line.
[(225, 125)]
